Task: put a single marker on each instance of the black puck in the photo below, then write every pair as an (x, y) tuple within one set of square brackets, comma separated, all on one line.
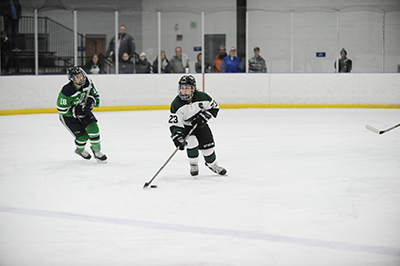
[(153, 186)]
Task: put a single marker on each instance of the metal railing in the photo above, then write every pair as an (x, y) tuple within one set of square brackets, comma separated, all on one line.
[(55, 46)]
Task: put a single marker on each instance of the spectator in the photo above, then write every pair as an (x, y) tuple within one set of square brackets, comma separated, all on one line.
[(126, 65), (218, 59), (11, 12), (143, 66), (345, 64), (179, 62), (257, 63), (93, 66), (231, 63), (5, 52), (165, 66), (126, 44), (197, 66)]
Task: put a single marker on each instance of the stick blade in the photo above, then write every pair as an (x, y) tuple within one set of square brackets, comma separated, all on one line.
[(373, 129), (146, 185)]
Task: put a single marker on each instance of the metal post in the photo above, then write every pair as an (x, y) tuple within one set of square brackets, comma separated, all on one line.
[(203, 51), (116, 44), (75, 39), (36, 35), (337, 41), (383, 42), (159, 43), (247, 55), (291, 44)]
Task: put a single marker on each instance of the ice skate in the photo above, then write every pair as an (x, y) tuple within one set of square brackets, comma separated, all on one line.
[(84, 154), (100, 157), (217, 169), (194, 169)]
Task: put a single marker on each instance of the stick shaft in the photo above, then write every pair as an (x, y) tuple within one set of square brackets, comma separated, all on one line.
[(169, 159), (162, 167), (381, 131)]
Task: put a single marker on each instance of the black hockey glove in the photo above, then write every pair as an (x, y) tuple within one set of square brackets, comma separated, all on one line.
[(78, 111), (201, 119), (90, 103), (178, 140)]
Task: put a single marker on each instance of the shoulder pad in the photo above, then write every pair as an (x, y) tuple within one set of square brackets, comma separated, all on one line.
[(176, 104), (68, 90)]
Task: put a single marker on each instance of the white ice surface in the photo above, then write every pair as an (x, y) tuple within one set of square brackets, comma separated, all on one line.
[(304, 187)]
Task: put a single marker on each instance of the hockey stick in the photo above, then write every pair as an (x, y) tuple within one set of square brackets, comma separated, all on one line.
[(169, 159), (380, 131)]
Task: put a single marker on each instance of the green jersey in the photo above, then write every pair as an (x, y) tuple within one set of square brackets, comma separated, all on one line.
[(183, 112), (70, 96)]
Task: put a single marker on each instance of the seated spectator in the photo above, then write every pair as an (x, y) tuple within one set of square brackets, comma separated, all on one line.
[(179, 62), (126, 65), (257, 63), (93, 66), (165, 66), (231, 63), (143, 66), (218, 59), (197, 66)]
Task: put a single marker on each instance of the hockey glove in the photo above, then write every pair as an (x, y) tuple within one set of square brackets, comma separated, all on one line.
[(90, 103), (201, 119), (78, 111), (178, 140)]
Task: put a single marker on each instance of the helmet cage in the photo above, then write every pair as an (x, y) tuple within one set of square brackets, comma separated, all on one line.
[(184, 82), (74, 72), (186, 96)]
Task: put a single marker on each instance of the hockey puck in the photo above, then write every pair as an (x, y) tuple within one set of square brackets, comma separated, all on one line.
[(153, 186)]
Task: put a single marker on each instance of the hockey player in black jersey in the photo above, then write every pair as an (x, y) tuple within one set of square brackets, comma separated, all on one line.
[(74, 104), (191, 107)]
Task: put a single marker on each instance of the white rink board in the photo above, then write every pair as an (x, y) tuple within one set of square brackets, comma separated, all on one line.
[(33, 92)]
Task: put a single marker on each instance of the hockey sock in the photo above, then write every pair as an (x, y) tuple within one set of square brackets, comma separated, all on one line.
[(80, 142), (193, 154), (209, 156), (94, 135)]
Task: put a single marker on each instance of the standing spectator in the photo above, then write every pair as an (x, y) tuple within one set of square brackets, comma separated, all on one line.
[(345, 64), (257, 63), (165, 66), (5, 52), (126, 65), (179, 62), (197, 66), (93, 66), (126, 44), (11, 12), (143, 66), (231, 63), (218, 59)]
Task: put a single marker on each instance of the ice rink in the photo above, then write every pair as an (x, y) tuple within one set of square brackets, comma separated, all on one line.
[(304, 187)]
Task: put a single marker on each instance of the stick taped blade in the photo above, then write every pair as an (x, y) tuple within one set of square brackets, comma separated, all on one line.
[(373, 129)]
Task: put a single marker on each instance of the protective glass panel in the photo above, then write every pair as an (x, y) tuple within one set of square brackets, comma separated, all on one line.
[(314, 42), (271, 32), (361, 34)]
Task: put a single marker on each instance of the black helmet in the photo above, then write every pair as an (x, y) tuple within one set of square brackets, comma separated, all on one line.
[(187, 80), (75, 71)]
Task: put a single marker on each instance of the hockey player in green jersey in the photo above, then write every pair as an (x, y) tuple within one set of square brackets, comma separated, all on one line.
[(74, 104), (191, 107)]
